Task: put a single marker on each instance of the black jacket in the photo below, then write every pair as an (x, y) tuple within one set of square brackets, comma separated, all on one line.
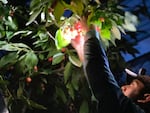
[(101, 79)]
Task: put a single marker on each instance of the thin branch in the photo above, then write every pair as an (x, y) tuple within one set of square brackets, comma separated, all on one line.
[(50, 36)]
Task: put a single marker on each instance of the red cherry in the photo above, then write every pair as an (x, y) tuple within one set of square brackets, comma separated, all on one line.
[(50, 59), (28, 79), (102, 19), (50, 10), (77, 25), (98, 29), (71, 29), (63, 50), (35, 68)]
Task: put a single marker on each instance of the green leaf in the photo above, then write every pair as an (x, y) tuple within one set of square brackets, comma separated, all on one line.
[(36, 105), (10, 22), (3, 83), (28, 61), (4, 1), (35, 3), (60, 40), (10, 58), (9, 34), (52, 51), (67, 72), (20, 90), (70, 90), (115, 32), (27, 32), (41, 56), (2, 43), (75, 79), (98, 23), (14, 47), (31, 59), (57, 58), (2, 31), (78, 7), (84, 108), (129, 27), (20, 45), (60, 93), (130, 22), (75, 60), (43, 18), (58, 10), (105, 33), (33, 16)]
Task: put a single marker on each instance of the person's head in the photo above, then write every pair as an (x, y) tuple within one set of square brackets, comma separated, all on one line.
[(138, 86)]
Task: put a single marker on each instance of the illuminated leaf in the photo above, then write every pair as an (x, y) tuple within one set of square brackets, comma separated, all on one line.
[(105, 33), (33, 16), (11, 23), (115, 31), (4, 1), (58, 10), (75, 60), (60, 40)]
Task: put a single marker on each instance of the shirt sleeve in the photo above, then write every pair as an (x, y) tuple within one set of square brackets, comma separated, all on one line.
[(101, 79)]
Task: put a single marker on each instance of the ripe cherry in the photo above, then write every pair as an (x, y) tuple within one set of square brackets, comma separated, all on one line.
[(50, 59), (35, 68), (71, 29), (63, 50), (102, 19), (77, 25), (28, 79)]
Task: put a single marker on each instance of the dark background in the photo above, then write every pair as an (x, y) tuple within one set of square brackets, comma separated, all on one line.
[(140, 8)]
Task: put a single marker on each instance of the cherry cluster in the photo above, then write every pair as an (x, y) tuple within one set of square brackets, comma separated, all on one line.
[(73, 31)]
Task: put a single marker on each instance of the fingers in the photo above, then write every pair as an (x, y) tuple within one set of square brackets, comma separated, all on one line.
[(145, 95), (142, 101), (147, 99)]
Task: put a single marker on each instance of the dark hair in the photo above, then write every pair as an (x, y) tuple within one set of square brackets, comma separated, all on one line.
[(145, 79)]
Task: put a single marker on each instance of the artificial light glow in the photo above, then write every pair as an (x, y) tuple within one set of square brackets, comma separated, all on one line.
[(71, 32)]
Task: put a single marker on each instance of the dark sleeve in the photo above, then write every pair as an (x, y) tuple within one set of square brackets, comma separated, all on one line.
[(101, 79)]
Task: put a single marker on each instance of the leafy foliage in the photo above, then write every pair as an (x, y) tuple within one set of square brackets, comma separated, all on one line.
[(37, 75)]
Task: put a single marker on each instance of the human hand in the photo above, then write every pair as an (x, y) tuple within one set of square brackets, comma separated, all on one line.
[(147, 98), (79, 40)]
